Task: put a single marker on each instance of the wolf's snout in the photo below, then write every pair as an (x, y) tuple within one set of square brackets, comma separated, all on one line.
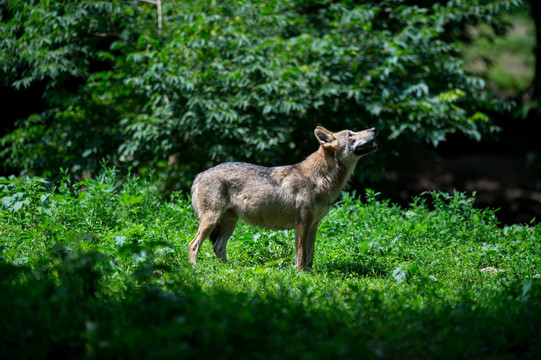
[(363, 146)]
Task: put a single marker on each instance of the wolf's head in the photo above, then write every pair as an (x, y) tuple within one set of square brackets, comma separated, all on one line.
[(346, 145)]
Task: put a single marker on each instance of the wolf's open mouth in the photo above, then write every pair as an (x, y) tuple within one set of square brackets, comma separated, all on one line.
[(365, 149)]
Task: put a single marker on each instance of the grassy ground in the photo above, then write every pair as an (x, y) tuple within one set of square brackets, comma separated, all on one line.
[(99, 269)]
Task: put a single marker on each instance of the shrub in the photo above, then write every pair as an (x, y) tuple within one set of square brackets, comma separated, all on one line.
[(232, 80)]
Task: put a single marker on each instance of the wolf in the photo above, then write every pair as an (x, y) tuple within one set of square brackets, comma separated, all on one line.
[(283, 197)]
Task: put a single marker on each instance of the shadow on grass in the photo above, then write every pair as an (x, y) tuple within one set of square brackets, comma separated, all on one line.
[(350, 267), (43, 318)]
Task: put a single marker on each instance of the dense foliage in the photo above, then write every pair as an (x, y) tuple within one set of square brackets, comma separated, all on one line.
[(99, 269), (224, 80)]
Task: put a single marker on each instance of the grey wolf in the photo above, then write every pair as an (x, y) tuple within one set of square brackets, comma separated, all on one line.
[(283, 197)]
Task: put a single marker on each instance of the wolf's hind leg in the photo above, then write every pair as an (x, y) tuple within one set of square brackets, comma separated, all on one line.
[(221, 234), (213, 237), (206, 225)]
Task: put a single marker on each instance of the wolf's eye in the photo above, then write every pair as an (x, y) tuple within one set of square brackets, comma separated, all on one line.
[(350, 134)]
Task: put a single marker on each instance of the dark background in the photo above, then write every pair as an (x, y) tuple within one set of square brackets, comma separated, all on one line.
[(494, 169)]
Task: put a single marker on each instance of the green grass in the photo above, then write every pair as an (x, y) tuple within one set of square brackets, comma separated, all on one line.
[(99, 269)]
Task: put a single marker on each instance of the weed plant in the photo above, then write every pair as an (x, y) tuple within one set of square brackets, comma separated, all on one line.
[(99, 269)]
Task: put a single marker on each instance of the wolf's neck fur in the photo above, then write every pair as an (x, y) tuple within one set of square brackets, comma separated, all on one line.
[(328, 174)]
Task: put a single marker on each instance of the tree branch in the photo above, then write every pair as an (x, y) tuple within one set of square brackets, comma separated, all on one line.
[(158, 4)]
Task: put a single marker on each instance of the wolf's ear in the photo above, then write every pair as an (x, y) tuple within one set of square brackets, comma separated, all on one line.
[(324, 136)]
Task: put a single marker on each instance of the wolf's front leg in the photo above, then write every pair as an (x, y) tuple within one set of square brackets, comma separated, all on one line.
[(310, 245), (302, 230)]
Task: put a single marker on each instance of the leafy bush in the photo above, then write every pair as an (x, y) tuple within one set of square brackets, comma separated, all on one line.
[(503, 55), (99, 269), (232, 80)]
